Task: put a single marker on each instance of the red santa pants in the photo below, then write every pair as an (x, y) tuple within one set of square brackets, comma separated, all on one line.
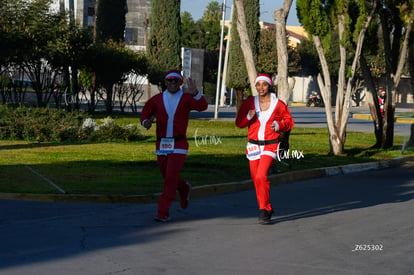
[(258, 171), (170, 167)]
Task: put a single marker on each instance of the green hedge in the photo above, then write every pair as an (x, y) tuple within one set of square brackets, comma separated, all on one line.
[(53, 125)]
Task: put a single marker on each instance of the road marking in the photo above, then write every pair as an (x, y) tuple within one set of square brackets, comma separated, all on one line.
[(46, 179)]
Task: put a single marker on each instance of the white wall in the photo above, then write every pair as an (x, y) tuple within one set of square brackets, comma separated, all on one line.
[(303, 87)]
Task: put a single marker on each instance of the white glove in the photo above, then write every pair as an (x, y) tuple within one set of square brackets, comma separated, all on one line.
[(275, 126)]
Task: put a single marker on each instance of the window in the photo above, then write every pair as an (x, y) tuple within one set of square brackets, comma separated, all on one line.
[(131, 36)]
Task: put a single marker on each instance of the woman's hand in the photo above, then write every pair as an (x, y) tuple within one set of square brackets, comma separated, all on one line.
[(252, 113), (275, 126)]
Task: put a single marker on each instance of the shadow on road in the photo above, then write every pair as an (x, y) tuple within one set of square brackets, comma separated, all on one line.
[(37, 232), (330, 194)]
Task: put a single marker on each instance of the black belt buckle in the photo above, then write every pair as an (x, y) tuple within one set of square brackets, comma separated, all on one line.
[(263, 142), (180, 137)]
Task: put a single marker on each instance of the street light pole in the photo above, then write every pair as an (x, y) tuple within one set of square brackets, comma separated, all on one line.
[(73, 68), (220, 58), (226, 61)]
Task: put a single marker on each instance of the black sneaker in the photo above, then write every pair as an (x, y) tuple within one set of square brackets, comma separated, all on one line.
[(160, 218), (265, 216), (185, 196)]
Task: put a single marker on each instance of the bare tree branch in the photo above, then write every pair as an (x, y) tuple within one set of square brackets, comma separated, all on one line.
[(245, 45)]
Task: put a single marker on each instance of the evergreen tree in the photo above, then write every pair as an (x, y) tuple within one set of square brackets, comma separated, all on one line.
[(164, 45), (237, 76), (267, 59), (190, 37), (110, 20), (210, 26), (309, 58)]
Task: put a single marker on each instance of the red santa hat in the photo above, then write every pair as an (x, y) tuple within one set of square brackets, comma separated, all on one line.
[(173, 74), (263, 77)]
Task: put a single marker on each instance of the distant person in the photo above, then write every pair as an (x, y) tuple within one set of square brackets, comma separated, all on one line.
[(171, 109), (265, 116), (381, 101)]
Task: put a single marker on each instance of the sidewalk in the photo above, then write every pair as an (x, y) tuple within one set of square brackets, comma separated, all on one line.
[(404, 120), (229, 112), (363, 112)]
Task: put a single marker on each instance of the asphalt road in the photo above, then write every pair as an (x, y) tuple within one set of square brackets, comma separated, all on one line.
[(359, 223), (313, 117)]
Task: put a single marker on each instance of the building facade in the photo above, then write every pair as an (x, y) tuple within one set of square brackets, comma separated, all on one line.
[(136, 35), (136, 19)]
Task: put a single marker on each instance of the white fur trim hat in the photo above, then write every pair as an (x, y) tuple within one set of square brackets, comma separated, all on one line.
[(173, 74), (263, 77)]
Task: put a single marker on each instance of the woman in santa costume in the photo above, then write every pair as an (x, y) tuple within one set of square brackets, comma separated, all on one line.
[(171, 109), (265, 116)]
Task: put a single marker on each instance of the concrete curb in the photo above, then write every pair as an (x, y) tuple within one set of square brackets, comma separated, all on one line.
[(297, 104), (215, 189)]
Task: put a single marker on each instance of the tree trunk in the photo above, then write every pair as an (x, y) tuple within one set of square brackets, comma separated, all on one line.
[(239, 98), (75, 98), (388, 125), (108, 101), (283, 87), (410, 60), (337, 128), (343, 102), (388, 128), (67, 95), (341, 73), (410, 142), (350, 86), (335, 143), (393, 77), (372, 100), (245, 44), (336, 146)]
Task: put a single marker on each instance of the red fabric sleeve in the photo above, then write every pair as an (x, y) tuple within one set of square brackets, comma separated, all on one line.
[(241, 120), (283, 117), (149, 109)]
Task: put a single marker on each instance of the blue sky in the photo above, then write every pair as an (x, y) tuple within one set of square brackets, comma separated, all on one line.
[(267, 7)]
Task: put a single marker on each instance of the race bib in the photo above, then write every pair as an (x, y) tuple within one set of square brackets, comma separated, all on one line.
[(166, 146), (253, 151)]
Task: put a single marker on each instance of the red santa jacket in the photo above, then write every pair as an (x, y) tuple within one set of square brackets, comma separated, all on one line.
[(260, 132), (172, 113)]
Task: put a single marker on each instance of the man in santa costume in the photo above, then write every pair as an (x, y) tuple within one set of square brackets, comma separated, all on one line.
[(171, 109), (265, 116)]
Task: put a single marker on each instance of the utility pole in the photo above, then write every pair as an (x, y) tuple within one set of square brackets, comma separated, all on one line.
[(74, 69), (226, 61), (146, 45), (220, 57), (95, 16)]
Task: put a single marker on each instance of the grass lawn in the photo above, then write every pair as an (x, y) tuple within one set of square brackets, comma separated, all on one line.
[(216, 155), (407, 115)]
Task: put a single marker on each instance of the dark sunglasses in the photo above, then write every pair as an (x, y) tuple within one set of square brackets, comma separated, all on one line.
[(173, 80)]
